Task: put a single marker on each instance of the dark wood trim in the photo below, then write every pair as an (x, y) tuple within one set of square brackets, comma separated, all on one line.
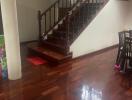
[(26, 42), (96, 52)]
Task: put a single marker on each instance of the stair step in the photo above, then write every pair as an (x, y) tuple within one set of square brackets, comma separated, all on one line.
[(56, 42), (63, 40), (56, 47), (47, 53)]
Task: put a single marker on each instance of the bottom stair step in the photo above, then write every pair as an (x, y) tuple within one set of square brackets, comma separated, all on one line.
[(36, 49)]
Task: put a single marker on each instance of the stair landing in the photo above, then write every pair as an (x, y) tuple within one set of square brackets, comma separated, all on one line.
[(35, 48)]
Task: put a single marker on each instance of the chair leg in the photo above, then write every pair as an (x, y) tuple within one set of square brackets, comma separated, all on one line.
[(130, 62), (122, 63), (125, 65), (118, 57)]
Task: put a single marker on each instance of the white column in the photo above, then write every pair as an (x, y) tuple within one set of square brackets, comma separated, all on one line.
[(12, 45)]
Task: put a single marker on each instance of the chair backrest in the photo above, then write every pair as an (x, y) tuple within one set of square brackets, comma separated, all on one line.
[(130, 32), (128, 47), (122, 36)]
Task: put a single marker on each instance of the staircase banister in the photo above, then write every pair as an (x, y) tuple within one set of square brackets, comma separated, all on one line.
[(62, 23), (41, 14), (50, 18)]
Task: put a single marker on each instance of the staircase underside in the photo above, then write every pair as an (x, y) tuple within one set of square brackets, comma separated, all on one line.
[(37, 49)]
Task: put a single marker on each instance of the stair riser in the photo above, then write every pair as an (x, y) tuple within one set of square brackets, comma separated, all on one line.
[(35, 53), (37, 49), (57, 49), (48, 58), (57, 39)]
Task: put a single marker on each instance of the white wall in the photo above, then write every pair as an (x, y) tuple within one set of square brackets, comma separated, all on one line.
[(27, 17), (129, 18), (103, 31)]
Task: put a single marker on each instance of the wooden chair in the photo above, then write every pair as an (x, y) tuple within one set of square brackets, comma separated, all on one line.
[(122, 36), (126, 54)]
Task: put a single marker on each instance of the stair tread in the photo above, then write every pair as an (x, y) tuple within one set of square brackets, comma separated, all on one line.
[(59, 45), (44, 50)]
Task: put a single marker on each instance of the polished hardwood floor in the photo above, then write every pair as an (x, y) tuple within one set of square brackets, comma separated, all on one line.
[(90, 78)]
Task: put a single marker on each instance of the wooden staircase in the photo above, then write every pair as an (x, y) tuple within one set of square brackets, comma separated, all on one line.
[(60, 25)]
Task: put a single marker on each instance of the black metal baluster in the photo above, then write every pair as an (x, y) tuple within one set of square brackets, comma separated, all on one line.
[(79, 17), (58, 10), (54, 15), (72, 29), (74, 24), (62, 8), (74, 2), (50, 18), (96, 6), (67, 34), (78, 26), (66, 5), (45, 22), (83, 12), (39, 23), (88, 8), (92, 7), (70, 3)]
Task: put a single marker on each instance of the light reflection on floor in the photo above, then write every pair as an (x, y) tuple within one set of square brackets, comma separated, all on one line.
[(89, 93)]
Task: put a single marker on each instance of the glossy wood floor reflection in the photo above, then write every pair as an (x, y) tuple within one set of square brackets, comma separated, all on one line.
[(89, 78)]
